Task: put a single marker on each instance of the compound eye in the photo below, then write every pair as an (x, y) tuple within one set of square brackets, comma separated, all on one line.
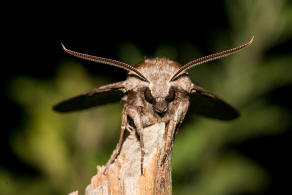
[(148, 96), (171, 95)]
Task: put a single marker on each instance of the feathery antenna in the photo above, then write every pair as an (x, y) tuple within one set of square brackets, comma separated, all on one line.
[(211, 57), (105, 61)]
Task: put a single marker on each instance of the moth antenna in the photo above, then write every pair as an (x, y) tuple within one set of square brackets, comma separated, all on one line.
[(105, 61), (211, 57)]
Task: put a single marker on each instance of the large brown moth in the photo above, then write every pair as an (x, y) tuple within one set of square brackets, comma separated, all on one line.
[(156, 90)]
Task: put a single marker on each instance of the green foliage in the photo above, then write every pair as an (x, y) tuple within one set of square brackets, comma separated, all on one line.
[(66, 148), (62, 147)]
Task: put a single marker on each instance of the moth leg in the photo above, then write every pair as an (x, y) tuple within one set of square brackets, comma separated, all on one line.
[(173, 127), (117, 150), (134, 113), (169, 139)]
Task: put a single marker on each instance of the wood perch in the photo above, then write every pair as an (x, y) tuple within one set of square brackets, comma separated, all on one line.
[(124, 175)]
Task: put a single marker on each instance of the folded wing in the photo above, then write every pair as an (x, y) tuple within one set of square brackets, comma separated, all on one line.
[(207, 104), (98, 96)]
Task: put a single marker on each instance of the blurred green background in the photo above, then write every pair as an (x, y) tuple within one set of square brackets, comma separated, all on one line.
[(47, 153)]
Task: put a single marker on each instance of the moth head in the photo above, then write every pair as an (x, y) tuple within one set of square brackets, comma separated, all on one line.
[(160, 103)]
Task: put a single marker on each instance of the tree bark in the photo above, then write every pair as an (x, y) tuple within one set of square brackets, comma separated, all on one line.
[(123, 176)]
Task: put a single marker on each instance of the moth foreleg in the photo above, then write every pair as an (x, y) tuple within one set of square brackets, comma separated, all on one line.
[(134, 113), (117, 150), (173, 127)]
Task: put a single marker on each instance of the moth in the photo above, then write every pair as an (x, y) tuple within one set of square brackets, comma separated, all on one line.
[(156, 90)]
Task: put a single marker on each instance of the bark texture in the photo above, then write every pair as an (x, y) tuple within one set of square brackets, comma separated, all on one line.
[(124, 175)]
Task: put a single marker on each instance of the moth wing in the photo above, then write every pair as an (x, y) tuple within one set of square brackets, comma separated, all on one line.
[(207, 104), (98, 96)]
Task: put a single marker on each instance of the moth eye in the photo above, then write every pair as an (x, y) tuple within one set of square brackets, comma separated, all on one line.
[(148, 96), (171, 95)]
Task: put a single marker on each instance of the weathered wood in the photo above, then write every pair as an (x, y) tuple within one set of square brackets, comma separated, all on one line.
[(124, 175)]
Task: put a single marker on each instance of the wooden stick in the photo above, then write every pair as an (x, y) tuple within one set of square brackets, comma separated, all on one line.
[(124, 175)]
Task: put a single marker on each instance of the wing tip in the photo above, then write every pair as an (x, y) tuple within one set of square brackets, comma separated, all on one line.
[(56, 108), (235, 114), (60, 108)]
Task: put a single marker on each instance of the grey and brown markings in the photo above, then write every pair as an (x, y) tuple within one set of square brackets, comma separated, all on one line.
[(156, 90)]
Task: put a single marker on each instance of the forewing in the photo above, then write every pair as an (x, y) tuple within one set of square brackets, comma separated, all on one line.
[(95, 97), (209, 105)]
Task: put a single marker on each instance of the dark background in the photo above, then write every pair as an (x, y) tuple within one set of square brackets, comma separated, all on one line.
[(32, 49)]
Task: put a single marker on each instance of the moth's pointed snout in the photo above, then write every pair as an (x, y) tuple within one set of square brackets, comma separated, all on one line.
[(160, 107)]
